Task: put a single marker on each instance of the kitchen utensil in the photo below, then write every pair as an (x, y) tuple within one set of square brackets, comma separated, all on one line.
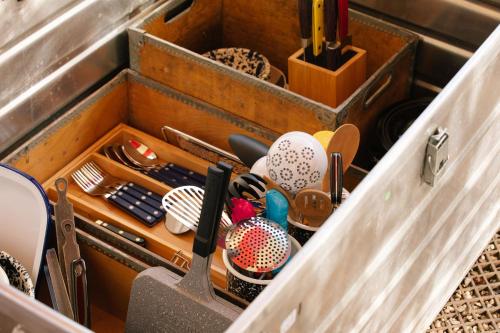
[(74, 266), (336, 178), (346, 141), (57, 287), (333, 49), (125, 234), (317, 27), (314, 206), (305, 22), (324, 137), (291, 201), (343, 14), (25, 219), (277, 208), (140, 154), (296, 160), (122, 200), (257, 246), (243, 60), (241, 209), (18, 276), (248, 149), (201, 148), (247, 186), (247, 287), (117, 152), (259, 168), (174, 226), (98, 177), (178, 299), (184, 204)]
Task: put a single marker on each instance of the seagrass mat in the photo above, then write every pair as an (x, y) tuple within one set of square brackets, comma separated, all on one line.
[(475, 305)]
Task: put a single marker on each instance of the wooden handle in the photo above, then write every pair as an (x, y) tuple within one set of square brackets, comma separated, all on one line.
[(305, 18), (331, 20)]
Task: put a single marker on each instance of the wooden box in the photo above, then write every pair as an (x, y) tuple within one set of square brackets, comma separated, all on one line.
[(323, 85), (168, 44)]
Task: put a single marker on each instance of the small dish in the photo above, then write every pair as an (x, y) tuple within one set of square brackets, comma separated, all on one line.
[(17, 275), (244, 60)]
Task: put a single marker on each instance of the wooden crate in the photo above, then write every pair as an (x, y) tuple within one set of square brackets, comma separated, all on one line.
[(167, 47)]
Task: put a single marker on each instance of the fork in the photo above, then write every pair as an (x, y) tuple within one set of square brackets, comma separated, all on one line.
[(142, 211), (95, 174)]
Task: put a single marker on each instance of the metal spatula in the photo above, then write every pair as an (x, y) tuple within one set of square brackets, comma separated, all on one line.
[(185, 203)]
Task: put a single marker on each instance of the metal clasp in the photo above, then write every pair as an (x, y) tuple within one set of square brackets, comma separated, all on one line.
[(436, 156)]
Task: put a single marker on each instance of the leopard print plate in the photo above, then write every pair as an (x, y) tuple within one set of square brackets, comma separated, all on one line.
[(244, 60), (18, 275)]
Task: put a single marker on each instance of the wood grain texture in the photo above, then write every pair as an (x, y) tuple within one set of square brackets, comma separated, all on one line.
[(345, 140), (151, 110), (70, 137), (323, 85), (158, 239), (270, 27), (199, 28)]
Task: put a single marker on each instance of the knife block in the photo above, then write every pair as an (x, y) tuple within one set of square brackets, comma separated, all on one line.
[(324, 85)]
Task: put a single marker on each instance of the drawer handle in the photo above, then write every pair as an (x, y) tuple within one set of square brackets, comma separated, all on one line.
[(387, 80), (178, 7)]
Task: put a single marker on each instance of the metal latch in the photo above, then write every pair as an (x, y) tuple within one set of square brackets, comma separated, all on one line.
[(436, 156)]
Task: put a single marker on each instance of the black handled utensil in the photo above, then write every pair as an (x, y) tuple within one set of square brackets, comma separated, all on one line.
[(336, 178), (125, 234), (333, 49), (305, 20), (162, 301), (248, 149)]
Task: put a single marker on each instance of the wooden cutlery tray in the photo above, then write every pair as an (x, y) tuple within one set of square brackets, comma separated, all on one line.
[(168, 44)]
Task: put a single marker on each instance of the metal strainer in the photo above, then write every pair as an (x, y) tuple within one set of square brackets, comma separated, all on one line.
[(258, 245)]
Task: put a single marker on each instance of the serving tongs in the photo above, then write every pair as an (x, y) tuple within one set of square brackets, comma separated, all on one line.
[(73, 267)]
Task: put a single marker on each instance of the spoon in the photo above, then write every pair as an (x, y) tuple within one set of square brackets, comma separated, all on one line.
[(140, 154)]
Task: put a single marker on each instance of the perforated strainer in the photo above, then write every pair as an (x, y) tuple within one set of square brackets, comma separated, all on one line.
[(258, 245)]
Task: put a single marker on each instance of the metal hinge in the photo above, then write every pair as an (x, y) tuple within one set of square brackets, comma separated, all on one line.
[(436, 156)]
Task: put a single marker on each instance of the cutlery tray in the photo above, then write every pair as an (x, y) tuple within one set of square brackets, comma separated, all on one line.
[(167, 46), (130, 106)]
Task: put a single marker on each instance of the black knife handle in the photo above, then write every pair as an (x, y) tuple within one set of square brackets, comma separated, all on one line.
[(336, 178), (125, 234), (145, 191), (179, 178), (305, 17), (133, 210), (142, 197), (186, 172), (204, 234), (331, 18), (142, 204)]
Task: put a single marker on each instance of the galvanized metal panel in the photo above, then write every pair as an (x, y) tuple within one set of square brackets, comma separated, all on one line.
[(389, 258), (60, 59)]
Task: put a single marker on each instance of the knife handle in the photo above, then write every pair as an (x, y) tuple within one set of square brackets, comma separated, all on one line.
[(125, 234), (142, 197), (331, 19), (305, 18), (317, 27), (179, 178), (186, 172), (336, 178), (145, 191), (141, 204), (343, 14), (131, 209)]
